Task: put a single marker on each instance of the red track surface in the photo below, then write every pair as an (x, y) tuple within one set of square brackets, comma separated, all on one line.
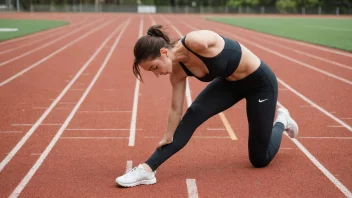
[(87, 165)]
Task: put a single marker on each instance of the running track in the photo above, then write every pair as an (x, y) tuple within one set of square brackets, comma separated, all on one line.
[(73, 116)]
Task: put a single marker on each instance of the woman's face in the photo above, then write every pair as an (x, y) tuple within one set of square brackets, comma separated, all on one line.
[(159, 66)]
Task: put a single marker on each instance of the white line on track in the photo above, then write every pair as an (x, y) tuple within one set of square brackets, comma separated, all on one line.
[(192, 188), (99, 129), (45, 45), (36, 166), (189, 98), (216, 129), (38, 40), (326, 172), (51, 107), (129, 165), (33, 35), (4, 132), (104, 111), (53, 54), (304, 53), (131, 140), (91, 138), (342, 138)]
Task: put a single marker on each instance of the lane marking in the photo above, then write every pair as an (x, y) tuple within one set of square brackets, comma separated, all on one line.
[(201, 137), (99, 129), (42, 124), (104, 111), (326, 172), (306, 54), (135, 98), (46, 113), (36, 166), (192, 188), (315, 105), (335, 126), (129, 166), (342, 138), (189, 98), (216, 129), (4, 132), (43, 38), (37, 34), (47, 44), (52, 54), (92, 138)]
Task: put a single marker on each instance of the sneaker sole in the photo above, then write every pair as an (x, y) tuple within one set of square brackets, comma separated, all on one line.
[(143, 182)]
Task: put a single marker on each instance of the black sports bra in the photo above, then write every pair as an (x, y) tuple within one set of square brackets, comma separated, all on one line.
[(221, 65)]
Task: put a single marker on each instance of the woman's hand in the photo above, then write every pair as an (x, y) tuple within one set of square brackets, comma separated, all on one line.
[(166, 140)]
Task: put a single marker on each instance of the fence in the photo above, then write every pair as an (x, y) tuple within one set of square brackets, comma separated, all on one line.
[(183, 9)]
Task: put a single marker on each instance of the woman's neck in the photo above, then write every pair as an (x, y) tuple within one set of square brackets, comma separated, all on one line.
[(180, 54)]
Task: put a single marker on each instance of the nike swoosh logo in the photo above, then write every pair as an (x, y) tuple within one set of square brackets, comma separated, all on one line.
[(262, 100)]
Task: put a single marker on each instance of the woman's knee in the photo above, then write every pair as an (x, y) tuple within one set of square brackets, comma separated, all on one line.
[(259, 161)]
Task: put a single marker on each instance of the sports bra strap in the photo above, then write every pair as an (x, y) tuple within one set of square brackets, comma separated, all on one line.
[(189, 73)]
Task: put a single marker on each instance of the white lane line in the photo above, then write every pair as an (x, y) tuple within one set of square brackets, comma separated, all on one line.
[(99, 129), (335, 126), (129, 165), (45, 45), (5, 132), (305, 53), (192, 188), (326, 172), (195, 136), (286, 57), (135, 98), (52, 54), (38, 40), (189, 98), (42, 124), (89, 138), (315, 105), (104, 111), (342, 138), (51, 107), (28, 37), (36, 166), (216, 129)]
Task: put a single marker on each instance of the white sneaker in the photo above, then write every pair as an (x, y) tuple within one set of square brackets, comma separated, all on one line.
[(291, 126), (135, 177)]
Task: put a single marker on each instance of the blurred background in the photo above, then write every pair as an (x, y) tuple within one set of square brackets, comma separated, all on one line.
[(331, 7)]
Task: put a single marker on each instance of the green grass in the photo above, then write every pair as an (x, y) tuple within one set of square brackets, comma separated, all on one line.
[(26, 27), (332, 32)]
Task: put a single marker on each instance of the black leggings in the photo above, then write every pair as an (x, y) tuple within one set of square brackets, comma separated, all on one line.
[(260, 90)]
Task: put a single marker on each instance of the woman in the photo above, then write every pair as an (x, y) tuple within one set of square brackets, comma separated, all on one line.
[(235, 73)]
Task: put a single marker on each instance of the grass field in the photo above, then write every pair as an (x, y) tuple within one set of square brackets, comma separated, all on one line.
[(332, 32), (26, 27)]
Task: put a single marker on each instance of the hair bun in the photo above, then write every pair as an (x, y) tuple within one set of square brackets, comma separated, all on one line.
[(156, 31)]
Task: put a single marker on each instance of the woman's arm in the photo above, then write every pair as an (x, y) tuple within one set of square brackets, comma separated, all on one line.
[(176, 109)]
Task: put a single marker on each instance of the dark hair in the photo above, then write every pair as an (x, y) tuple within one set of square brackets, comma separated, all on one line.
[(148, 47)]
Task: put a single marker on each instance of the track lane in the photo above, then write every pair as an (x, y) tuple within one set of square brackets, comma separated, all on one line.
[(45, 92)]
